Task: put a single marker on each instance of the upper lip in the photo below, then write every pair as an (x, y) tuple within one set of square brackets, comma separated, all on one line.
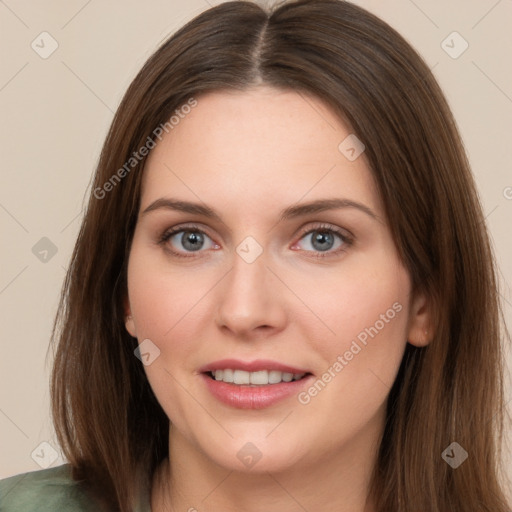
[(251, 366)]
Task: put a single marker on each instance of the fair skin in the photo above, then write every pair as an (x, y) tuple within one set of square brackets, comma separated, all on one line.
[(248, 155)]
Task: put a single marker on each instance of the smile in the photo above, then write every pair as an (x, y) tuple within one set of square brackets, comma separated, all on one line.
[(253, 384)]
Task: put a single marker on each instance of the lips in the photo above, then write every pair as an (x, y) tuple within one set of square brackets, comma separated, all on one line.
[(254, 384)]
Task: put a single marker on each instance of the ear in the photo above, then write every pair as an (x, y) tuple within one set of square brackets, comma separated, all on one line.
[(420, 330), (128, 318)]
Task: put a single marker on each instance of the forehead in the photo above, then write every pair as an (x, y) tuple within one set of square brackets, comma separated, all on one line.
[(262, 147)]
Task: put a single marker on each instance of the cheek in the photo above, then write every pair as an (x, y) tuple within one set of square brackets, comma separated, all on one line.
[(160, 298), (362, 316), (361, 359), (353, 299), (167, 305), (162, 305)]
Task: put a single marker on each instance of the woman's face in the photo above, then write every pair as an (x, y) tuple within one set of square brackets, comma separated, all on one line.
[(258, 283)]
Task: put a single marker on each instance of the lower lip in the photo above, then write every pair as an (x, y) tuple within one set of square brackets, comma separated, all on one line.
[(253, 397)]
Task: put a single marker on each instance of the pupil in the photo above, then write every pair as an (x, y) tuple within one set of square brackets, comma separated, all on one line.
[(192, 240)]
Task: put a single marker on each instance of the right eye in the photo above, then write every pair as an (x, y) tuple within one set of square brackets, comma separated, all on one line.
[(191, 238)]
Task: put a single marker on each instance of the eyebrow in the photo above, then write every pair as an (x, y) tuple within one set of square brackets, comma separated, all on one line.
[(290, 212)]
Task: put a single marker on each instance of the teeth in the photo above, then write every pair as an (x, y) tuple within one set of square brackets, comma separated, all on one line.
[(274, 377), (260, 378), (227, 375), (241, 377)]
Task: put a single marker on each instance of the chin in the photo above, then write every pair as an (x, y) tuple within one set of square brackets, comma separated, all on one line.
[(255, 454)]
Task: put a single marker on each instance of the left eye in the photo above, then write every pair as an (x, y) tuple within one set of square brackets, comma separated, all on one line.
[(324, 239)]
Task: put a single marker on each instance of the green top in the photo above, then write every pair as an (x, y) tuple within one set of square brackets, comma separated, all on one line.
[(50, 490)]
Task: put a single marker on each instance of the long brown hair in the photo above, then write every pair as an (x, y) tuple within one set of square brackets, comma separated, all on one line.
[(108, 421)]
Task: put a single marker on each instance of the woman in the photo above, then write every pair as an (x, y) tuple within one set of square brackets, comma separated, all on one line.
[(282, 296)]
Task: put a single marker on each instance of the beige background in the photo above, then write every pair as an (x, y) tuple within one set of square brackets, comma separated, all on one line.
[(56, 112)]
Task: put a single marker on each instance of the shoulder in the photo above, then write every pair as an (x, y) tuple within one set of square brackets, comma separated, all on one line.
[(45, 490)]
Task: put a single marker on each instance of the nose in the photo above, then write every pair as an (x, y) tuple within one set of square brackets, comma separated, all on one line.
[(251, 299)]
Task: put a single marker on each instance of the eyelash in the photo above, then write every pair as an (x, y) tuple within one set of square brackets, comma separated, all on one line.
[(346, 239)]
